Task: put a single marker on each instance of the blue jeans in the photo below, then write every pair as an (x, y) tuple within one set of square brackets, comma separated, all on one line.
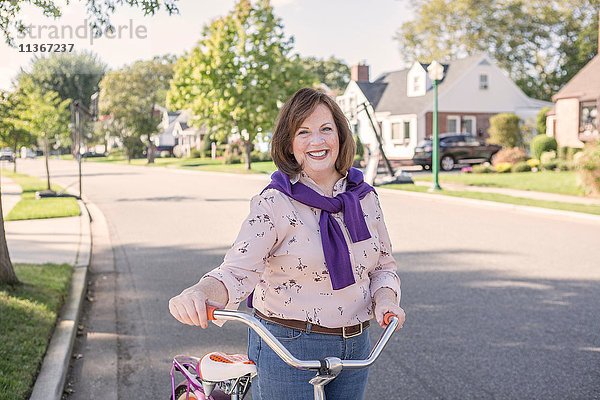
[(278, 381)]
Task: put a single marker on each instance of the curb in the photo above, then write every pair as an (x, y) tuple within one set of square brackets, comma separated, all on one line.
[(50, 381), (486, 203)]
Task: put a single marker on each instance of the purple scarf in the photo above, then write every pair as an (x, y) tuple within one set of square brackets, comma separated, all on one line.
[(335, 248)]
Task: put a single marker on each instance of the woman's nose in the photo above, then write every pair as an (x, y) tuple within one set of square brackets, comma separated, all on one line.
[(317, 138)]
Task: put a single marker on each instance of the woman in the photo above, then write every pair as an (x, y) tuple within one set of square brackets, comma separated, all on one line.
[(314, 251)]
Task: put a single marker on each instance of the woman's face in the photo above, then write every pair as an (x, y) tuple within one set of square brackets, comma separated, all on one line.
[(316, 144)]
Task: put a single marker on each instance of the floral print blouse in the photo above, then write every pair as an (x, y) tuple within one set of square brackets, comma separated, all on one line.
[(278, 254)]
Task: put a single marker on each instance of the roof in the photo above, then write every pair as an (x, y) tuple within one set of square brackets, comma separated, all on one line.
[(388, 92), (585, 85)]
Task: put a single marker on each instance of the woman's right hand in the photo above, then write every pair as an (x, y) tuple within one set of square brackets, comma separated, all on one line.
[(189, 307)]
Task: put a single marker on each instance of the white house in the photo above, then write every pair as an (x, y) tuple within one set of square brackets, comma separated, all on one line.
[(473, 90), (175, 131)]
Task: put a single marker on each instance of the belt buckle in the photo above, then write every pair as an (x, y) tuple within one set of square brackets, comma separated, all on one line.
[(345, 336)]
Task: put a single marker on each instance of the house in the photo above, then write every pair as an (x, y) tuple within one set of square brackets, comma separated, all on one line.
[(574, 119), (175, 131), (472, 90)]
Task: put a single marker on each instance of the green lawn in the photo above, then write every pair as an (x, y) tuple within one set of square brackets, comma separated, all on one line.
[(30, 208), (501, 198), (199, 164), (564, 182), (28, 315)]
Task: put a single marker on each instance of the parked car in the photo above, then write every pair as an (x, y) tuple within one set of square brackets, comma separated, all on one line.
[(7, 154), (27, 153), (455, 148)]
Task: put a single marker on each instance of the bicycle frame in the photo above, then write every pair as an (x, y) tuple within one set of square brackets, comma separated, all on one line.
[(327, 369)]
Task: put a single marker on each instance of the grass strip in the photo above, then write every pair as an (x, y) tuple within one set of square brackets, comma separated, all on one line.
[(502, 198), (564, 182), (198, 164), (28, 314), (30, 208)]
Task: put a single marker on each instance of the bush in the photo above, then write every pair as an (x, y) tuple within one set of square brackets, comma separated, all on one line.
[(505, 130), (360, 149), (564, 165), (541, 120), (232, 158), (588, 168), (547, 157), (571, 151), (512, 156), (550, 165), (257, 156), (533, 162), (195, 153), (482, 169), (540, 144), (521, 166), (503, 167)]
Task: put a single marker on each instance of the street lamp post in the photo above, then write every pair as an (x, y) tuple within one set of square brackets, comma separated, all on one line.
[(435, 71)]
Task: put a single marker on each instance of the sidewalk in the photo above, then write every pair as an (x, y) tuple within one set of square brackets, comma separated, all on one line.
[(52, 240)]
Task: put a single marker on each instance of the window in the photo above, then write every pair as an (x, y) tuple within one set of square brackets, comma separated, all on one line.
[(483, 81), (453, 124), (356, 127), (588, 124), (417, 84), (396, 131), (468, 125), (406, 130)]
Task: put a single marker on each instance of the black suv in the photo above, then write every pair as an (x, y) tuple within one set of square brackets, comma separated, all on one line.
[(455, 148)]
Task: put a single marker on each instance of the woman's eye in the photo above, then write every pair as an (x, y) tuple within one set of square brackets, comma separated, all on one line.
[(302, 132), (327, 128)]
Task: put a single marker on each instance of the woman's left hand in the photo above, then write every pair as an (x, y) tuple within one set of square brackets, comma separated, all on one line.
[(385, 302)]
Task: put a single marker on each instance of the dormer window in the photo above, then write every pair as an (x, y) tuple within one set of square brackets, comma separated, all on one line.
[(483, 81), (416, 84), (416, 81)]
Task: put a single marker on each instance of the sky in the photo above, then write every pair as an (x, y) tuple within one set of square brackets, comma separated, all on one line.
[(351, 30)]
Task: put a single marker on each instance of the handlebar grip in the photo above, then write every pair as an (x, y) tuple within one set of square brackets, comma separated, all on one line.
[(388, 316), (210, 312)]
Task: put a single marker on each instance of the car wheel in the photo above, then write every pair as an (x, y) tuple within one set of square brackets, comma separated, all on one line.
[(447, 163)]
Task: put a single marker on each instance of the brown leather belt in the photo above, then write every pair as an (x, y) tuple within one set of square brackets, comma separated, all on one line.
[(346, 331)]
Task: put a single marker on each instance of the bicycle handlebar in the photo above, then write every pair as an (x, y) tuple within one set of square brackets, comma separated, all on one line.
[(228, 315)]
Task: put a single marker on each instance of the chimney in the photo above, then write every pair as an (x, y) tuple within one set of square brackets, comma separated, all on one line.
[(359, 72)]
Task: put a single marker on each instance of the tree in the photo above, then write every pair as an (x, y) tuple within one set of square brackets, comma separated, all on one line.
[(505, 130), (99, 12), (47, 117), (11, 133), (130, 95), (541, 120), (541, 44), (73, 76), (333, 72), (239, 73)]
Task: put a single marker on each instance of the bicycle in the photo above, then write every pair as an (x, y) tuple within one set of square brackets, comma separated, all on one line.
[(220, 376)]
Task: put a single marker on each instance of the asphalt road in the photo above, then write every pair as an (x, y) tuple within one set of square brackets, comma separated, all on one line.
[(501, 304)]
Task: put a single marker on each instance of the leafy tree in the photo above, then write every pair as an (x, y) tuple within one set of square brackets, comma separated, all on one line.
[(333, 72), (541, 44), (129, 96), (73, 76), (11, 133), (239, 72), (505, 130), (47, 117), (99, 12)]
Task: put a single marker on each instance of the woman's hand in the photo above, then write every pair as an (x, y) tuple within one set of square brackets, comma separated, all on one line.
[(385, 302), (189, 307)]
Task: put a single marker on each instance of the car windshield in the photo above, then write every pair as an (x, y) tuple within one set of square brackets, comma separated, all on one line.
[(424, 143)]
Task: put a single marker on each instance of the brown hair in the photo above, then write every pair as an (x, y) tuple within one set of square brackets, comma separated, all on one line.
[(292, 114)]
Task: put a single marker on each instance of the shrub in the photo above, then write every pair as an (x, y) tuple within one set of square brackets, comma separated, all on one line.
[(505, 130), (533, 162), (482, 169), (179, 151), (521, 166), (541, 120), (512, 156), (503, 167), (588, 168), (360, 148), (571, 151), (563, 165), (232, 158), (196, 153), (257, 156), (540, 144), (550, 165), (548, 156)]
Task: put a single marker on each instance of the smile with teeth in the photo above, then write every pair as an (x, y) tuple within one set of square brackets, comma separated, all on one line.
[(317, 154)]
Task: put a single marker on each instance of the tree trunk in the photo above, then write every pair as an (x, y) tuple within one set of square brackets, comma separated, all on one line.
[(7, 272), (47, 152), (15, 160), (150, 151), (248, 146)]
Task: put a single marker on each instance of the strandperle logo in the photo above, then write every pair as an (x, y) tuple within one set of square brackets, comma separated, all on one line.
[(83, 31)]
